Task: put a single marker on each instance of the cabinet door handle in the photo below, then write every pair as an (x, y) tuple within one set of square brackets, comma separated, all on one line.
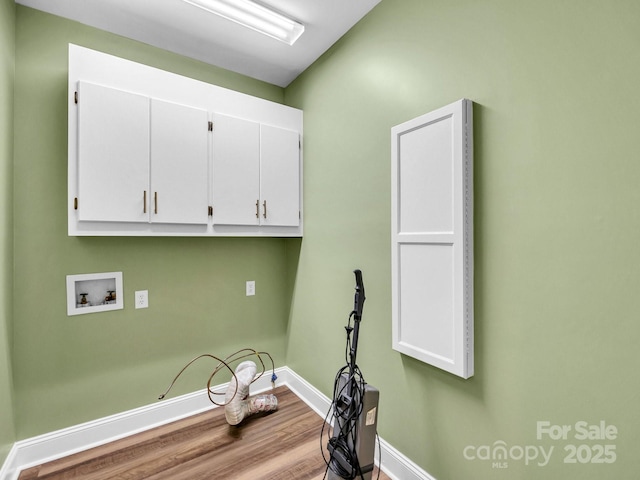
[(264, 205), (155, 202), (258, 208), (144, 202)]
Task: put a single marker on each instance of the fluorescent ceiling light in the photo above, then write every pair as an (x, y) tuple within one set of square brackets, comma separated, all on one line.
[(255, 17)]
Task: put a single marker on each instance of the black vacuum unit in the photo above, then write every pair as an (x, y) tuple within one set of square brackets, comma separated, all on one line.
[(354, 410)]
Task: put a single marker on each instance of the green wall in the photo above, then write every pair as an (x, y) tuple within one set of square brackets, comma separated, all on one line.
[(7, 71), (557, 226), (68, 370)]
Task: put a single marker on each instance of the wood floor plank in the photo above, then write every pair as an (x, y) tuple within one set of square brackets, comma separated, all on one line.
[(281, 445)]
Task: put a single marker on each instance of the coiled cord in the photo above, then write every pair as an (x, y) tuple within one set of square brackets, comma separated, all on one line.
[(224, 363)]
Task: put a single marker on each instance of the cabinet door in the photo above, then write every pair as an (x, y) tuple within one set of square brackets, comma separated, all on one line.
[(279, 176), (432, 238), (179, 164), (113, 154), (236, 171)]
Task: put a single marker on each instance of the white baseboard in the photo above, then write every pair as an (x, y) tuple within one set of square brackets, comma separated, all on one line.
[(50, 446), (8, 467)]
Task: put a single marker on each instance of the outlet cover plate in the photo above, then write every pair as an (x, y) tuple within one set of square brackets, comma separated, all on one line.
[(142, 299)]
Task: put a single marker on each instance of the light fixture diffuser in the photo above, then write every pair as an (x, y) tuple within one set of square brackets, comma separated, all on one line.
[(255, 17)]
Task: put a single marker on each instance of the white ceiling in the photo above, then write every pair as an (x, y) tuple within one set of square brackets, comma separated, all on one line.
[(190, 31)]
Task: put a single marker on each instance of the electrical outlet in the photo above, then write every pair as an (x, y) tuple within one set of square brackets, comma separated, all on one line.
[(142, 299), (251, 288)]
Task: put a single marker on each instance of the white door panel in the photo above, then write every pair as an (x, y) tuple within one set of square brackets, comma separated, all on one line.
[(179, 164), (236, 171), (279, 176), (113, 154)]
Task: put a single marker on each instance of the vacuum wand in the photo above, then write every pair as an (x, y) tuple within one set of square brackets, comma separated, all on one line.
[(358, 301), (358, 305)]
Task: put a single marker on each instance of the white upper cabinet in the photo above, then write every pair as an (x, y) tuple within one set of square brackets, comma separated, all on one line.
[(159, 154), (113, 154), (180, 165), (256, 179), (140, 159)]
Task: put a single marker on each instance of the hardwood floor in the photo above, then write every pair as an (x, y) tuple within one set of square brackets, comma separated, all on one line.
[(282, 445)]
